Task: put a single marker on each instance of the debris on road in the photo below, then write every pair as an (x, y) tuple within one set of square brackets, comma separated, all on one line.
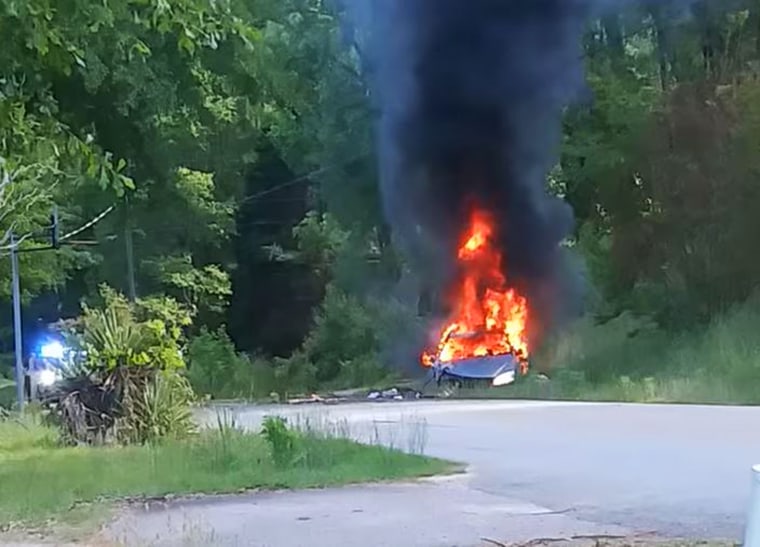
[(314, 398), (375, 395), (394, 394)]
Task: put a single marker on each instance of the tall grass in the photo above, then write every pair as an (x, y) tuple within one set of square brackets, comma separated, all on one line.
[(408, 434)]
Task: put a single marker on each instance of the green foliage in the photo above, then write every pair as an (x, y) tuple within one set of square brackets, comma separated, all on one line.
[(202, 289), (159, 103), (344, 331), (123, 335), (198, 191), (282, 441), (630, 359), (7, 394), (319, 239), (135, 350), (40, 483), (625, 345), (348, 342), (217, 370), (162, 411), (7, 382), (658, 168), (294, 374)]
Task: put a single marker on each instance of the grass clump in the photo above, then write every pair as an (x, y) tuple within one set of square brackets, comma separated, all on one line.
[(40, 481)]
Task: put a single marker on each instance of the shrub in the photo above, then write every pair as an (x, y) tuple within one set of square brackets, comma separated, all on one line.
[(625, 345), (628, 359), (7, 393), (281, 439), (348, 342), (132, 372), (294, 373), (217, 370), (124, 336), (344, 329), (163, 409)]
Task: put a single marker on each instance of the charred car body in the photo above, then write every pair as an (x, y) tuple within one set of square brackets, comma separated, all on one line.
[(487, 370)]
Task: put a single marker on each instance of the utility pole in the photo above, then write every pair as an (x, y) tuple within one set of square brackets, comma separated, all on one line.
[(17, 338), (130, 254), (16, 294)]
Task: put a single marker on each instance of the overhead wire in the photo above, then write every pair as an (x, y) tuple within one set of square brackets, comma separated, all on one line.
[(65, 237), (88, 224), (302, 178), (246, 199)]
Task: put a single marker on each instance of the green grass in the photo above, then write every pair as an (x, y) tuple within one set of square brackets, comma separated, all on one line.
[(695, 390), (39, 481), (7, 392)]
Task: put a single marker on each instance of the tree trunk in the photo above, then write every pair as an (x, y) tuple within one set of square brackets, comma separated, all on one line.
[(662, 34), (614, 35)]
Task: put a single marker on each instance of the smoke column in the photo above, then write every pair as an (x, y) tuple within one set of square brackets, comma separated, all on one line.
[(471, 95)]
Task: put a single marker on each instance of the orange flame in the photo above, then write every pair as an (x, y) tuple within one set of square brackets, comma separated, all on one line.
[(488, 317)]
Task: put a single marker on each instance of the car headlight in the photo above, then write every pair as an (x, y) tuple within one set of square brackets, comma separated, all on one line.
[(52, 350), (47, 377), (504, 379)]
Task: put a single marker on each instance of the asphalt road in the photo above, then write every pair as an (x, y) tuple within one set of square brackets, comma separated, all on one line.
[(535, 470)]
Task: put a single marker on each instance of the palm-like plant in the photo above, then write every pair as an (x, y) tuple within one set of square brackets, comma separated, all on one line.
[(113, 339), (132, 357), (163, 409)]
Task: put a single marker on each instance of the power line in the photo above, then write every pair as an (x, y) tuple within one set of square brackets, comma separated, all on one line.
[(67, 236), (251, 197), (89, 224), (302, 178), (14, 243)]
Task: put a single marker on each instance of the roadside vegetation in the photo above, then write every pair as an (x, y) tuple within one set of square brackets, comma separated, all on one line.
[(119, 425), (630, 359), (42, 482)]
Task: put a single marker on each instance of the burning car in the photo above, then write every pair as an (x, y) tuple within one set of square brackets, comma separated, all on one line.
[(495, 370), (484, 339)]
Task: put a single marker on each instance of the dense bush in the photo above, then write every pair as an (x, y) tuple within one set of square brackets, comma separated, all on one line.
[(349, 344), (631, 359), (131, 383), (162, 411), (217, 370), (344, 331)]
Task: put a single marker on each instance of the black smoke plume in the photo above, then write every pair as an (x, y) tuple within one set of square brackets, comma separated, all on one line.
[(471, 95)]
